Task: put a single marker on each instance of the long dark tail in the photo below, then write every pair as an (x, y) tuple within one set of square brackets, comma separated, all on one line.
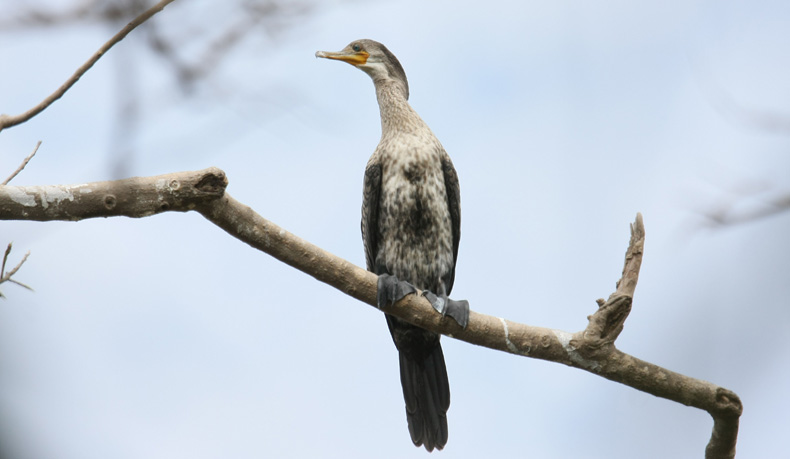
[(426, 391)]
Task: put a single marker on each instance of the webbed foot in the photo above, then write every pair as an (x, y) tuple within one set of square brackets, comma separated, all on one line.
[(390, 290), (458, 310)]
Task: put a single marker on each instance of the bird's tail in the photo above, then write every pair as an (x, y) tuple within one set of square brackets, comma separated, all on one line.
[(426, 391)]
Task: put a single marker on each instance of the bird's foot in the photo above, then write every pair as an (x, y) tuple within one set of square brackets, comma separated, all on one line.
[(458, 310), (390, 290)]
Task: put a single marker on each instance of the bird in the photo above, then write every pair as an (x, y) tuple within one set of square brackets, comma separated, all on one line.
[(411, 227)]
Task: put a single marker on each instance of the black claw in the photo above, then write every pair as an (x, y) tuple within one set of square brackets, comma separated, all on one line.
[(437, 302), (381, 290), (458, 310), (390, 290)]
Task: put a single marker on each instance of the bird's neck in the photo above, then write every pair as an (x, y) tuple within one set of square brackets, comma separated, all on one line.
[(397, 116)]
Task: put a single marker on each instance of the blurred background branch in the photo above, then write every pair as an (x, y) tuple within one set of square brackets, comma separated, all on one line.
[(747, 200), (193, 49)]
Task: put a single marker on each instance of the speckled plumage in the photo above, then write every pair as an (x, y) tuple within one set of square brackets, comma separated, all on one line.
[(415, 231), (410, 228)]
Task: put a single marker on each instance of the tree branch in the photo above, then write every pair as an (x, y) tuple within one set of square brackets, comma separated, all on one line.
[(8, 120), (591, 349), (134, 197), (5, 276), (726, 215), (22, 166)]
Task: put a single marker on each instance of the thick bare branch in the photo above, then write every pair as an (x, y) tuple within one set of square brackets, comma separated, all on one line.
[(8, 120), (591, 350), (133, 197)]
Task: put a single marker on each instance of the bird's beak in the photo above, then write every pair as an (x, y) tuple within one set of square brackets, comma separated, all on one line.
[(353, 58)]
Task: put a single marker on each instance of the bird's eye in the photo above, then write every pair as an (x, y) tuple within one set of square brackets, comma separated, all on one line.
[(356, 48)]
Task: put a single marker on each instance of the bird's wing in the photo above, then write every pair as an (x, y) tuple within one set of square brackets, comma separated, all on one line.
[(370, 212), (453, 190)]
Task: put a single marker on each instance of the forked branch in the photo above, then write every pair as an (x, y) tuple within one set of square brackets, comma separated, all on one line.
[(6, 276), (592, 349)]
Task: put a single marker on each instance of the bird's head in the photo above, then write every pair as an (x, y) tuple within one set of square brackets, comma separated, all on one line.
[(372, 58)]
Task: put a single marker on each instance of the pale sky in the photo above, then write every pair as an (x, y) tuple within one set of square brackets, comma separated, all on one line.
[(166, 338)]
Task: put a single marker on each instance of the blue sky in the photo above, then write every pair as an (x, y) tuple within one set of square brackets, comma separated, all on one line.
[(165, 338)]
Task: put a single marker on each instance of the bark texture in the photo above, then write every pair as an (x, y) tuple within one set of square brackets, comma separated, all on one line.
[(133, 197)]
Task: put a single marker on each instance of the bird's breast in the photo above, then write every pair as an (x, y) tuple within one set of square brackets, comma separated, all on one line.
[(415, 230)]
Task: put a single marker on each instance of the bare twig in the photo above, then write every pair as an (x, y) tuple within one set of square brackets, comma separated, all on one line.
[(14, 281), (606, 324), (5, 257), (22, 166), (591, 350), (6, 276), (8, 120)]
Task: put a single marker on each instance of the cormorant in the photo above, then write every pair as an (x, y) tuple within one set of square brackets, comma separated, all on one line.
[(411, 222)]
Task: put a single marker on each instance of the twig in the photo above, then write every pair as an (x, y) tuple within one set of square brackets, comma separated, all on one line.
[(8, 121), (14, 281), (6, 276), (5, 258), (22, 166)]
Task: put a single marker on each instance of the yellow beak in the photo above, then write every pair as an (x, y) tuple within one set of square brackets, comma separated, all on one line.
[(353, 58)]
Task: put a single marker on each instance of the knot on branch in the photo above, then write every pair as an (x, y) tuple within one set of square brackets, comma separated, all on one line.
[(607, 322), (214, 182), (728, 404), (184, 191), (110, 201), (726, 417), (134, 197)]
